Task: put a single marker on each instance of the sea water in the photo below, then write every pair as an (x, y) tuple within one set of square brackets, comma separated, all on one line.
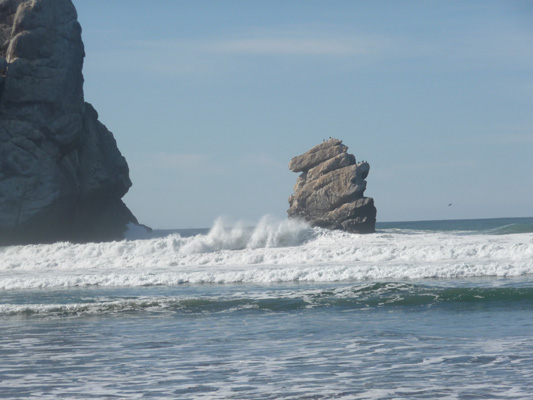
[(418, 310)]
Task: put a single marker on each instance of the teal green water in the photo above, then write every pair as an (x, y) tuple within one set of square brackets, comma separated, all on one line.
[(496, 226)]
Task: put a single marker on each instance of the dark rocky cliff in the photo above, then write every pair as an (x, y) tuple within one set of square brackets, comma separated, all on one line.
[(329, 192), (62, 176)]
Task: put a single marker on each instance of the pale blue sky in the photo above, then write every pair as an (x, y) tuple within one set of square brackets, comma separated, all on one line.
[(209, 100)]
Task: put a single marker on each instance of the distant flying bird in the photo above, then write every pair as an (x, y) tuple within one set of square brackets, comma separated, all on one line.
[(449, 204)]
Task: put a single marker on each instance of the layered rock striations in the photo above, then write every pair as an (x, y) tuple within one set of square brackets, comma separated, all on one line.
[(329, 192), (62, 176)]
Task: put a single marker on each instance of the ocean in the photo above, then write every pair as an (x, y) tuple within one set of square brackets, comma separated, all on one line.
[(418, 310)]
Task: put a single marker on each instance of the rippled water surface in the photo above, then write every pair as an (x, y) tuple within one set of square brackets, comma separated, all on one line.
[(372, 340)]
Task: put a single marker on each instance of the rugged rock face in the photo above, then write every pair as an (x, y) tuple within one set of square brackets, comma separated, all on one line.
[(62, 176), (329, 191)]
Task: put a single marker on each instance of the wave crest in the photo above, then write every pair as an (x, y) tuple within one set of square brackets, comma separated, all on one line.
[(348, 297), (268, 233)]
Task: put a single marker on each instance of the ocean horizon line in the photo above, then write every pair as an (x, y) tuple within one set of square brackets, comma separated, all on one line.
[(237, 222)]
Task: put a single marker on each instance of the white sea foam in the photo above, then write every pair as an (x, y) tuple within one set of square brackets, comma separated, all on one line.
[(267, 234), (274, 251)]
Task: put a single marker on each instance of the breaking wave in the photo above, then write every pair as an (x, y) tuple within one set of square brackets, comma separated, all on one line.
[(267, 233), (373, 295), (273, 251)]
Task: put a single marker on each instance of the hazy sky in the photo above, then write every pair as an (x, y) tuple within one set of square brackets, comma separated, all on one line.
[(209, 100)]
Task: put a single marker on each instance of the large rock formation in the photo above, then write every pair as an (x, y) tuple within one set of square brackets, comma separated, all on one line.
[(329, 191), (62, 176)]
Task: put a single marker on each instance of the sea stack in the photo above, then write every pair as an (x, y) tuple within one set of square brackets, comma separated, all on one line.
[(329, 191), (62, 176)]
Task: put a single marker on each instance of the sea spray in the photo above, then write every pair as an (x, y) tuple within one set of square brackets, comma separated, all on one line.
[(269, 232), (273, 233)]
